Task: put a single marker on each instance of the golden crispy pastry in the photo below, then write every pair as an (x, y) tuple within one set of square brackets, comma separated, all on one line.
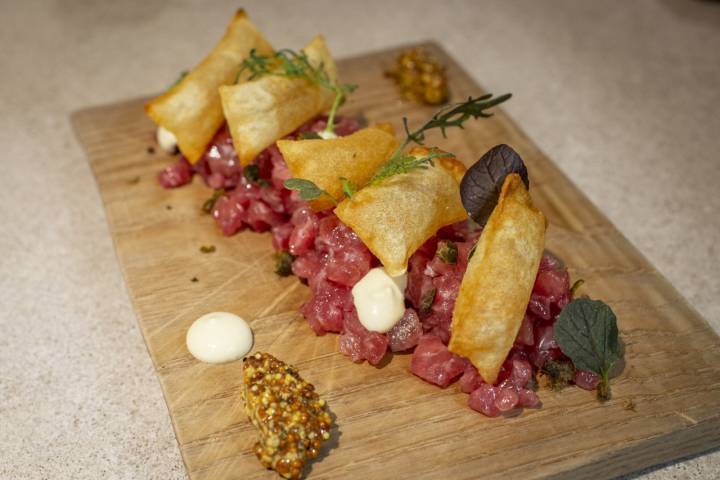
[(261, 111), (355, 157), (397, 215), (191, 110), (496, 288)]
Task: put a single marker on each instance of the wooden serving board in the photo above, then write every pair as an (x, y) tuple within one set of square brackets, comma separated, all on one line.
[(391, 424)]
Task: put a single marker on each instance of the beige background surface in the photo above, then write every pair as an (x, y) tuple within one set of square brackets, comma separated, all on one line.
[(624, 96)]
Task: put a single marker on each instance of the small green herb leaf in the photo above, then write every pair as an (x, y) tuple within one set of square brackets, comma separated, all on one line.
[(292, 64), (447, 251), (451, 116), (587, 332), (283, 263), (207, 248), (308, 190), (405, 163), (209, 204), (349, 188), (427, 300)]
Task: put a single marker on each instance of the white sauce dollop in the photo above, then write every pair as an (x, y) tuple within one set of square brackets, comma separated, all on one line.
[(325, 135), (166, 140), (380, 299), (219, 337)]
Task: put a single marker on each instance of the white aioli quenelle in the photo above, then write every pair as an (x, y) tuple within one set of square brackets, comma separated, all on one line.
[(166, 140), (219, 337), (380, 299)]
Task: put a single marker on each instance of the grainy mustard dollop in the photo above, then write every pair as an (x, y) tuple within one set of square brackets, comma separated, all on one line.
[(421, 77)]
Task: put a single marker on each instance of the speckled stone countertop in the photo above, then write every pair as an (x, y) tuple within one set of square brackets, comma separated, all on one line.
[(624, 96)]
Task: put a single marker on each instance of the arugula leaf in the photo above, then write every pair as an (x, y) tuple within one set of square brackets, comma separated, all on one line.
[(308, 190), (349, 188), (587, 332)]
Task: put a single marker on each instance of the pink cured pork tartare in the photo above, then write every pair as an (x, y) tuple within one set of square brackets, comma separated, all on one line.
[(330, 258)]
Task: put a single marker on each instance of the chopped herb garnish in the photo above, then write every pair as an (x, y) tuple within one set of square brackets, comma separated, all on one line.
[(447, 251), (426, 301), (283, 263), (209, 204), (587, 333), (575, 286), (451, 116), (207, 248), (134, 181), (349, 188), (559, 373), (251, 173), (308, 190), (292, 64), (400, 162)]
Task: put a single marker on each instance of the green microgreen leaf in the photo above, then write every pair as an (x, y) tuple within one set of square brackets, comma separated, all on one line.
[(307, 189), (586, 331)]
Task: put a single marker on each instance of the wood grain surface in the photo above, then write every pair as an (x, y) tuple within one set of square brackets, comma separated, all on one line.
[(390, 424)]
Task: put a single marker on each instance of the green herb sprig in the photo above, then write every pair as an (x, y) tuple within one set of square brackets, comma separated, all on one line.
[(451, 116), (291, 64), (587, 332), (399, 162)]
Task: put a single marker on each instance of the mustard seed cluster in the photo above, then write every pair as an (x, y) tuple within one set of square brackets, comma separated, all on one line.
[(291, 418), (421, 77)]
